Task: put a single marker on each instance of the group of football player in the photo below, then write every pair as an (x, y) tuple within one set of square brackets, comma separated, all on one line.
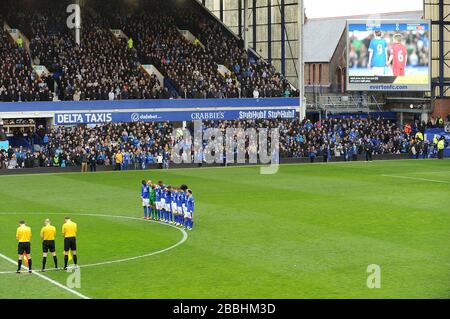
[(168, 204)]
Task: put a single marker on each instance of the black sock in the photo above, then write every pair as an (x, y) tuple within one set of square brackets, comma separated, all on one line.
[(55, 259), (19, 264), (29, 264), (66, 260), (75, 259), (44, 261)]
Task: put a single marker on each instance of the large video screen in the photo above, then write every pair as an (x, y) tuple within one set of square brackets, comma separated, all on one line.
[(386, 55)]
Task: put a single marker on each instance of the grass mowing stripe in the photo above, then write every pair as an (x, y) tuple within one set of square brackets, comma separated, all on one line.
[(337, 163), (307, 232)]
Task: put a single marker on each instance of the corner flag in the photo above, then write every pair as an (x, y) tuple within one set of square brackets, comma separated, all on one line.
[(25, 260), (69, 255)]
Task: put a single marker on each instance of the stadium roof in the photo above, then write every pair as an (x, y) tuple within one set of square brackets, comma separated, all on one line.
[(321, 36)]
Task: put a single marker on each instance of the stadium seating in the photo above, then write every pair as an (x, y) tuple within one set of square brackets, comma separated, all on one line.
[(100, 66), (328, 139), (17, 80), (251, 72), (103, 67)]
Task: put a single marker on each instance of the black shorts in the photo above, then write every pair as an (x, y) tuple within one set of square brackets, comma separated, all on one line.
[(24, 248), (48, 245), (70, 243)]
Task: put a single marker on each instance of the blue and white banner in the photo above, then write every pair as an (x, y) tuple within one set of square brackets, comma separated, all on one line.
[(174, 116)]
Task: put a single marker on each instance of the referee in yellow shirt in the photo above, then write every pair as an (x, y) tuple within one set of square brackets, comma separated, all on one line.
[(23, 235), (69, 230), (48, 233)]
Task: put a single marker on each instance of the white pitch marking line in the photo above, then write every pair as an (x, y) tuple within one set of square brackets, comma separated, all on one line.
[(48, 279), (417, 179), (220, 167), (185, 236)]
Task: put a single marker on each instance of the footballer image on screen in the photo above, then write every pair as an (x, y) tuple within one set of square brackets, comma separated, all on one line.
[(391, 55)]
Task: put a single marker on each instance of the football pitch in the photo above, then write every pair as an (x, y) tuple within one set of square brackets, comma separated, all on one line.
[(309, 231)]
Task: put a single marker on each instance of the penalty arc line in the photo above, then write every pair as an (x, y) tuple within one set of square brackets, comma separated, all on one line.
[(49, 280), (185, 236)]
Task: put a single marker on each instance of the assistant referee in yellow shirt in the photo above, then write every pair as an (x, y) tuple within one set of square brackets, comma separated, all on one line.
[(69, 230), (23, 235), (48, 233)]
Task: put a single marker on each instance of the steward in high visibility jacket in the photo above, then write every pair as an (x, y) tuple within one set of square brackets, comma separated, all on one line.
[(435, 140), (419, 135), (440, 147), (441, 144)]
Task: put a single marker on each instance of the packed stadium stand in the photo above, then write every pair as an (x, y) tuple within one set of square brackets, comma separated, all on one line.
[(105, 67), (17, 80), (331, 139), (192, 56)]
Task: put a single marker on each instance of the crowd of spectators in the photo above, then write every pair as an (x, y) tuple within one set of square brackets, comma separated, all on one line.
[(332, 138), (189, 67), (101, 68), (18, 82), (139, 142), (104, 67), (439, 122), (192, 67), (142, 144), (257, 78)]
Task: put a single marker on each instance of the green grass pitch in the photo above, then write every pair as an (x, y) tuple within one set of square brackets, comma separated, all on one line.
[(309, 231)]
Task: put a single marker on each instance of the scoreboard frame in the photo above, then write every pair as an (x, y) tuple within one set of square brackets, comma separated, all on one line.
[(372, 83)]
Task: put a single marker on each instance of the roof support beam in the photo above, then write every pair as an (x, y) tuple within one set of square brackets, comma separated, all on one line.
[(269, 31), (254, 24), (240, 18), (283, 38), (245, 25)]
